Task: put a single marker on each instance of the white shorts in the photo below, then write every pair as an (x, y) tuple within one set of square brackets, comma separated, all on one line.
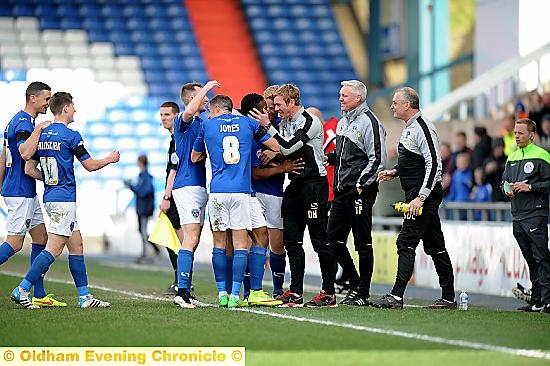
[(62, 216), (190, 202), (257, 218), (271, 205), (229, 211), (23, 214)]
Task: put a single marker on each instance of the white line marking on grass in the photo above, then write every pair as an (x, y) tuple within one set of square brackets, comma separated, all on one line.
[(396, 333)]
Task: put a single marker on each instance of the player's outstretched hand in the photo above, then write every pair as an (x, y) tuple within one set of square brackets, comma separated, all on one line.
[(211, 85), (385, 175), (262, 117), (266, 156), (293, 166), (114, 156), (43, 125)]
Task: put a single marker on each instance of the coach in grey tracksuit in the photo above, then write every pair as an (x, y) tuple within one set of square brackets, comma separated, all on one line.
[(419, 167), (359, 156)]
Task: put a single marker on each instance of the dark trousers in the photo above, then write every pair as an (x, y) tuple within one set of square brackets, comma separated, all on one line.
[(353, 212), (142, 227), (306, 203), (428, 228), (532, 237)]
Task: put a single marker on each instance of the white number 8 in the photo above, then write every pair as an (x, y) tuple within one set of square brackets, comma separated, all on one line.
[(231, 154), (49, 169)]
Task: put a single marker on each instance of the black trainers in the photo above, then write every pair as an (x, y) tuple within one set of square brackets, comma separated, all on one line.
[(322, 300), (291, 300), (350, 296), (535, 308), (546, 309), (387, 302), (442, 304), (522, 293), (172, 290)]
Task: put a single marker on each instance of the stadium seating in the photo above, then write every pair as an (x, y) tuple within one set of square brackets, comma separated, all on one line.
[(146, 46), (298, 42)]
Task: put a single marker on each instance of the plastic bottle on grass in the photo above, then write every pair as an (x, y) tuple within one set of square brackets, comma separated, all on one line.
[(463, 301)]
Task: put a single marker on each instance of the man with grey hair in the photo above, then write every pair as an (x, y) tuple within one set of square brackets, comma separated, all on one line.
[(359, 156), (419, 169)]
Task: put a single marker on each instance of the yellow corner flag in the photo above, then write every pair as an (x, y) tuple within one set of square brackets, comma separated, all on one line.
[(164, 234)]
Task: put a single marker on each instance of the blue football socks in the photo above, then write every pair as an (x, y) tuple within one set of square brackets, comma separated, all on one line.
[(77, 266), (256, 262), (219, 265), (39, 291), (38, 268), (185, 262)]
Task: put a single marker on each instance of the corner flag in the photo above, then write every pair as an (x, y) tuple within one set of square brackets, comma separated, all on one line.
[(164, 234)]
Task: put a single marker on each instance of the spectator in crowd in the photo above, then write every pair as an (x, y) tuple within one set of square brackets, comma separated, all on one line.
[(447, 174), (507, 134), (544, 136), (540, 110), (482, 147), (461, 184), (460, 147), (520, 111), (493, 167), (481, 192), (145, 205)]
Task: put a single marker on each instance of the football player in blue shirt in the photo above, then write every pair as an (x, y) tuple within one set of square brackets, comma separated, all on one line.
[(228, 139), (189, 189), (19, 190), (57, 147)]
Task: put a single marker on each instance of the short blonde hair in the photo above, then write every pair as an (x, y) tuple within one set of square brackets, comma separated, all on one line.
[(271, 91), (288, 92)]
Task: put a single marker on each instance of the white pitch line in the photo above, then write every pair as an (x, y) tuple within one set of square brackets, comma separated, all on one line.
[(532, 353)]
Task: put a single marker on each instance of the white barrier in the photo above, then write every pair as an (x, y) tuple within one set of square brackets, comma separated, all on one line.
[(486, 259)]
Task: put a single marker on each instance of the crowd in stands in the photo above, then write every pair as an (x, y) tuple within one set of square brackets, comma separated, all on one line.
[(474, 174)]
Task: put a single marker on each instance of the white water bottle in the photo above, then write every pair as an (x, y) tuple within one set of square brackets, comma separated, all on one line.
[(463, 301)]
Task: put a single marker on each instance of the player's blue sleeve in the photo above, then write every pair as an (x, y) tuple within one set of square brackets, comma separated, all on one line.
[(254, 159), (180, 124), (76, 144), (198, 145), (23, 130)]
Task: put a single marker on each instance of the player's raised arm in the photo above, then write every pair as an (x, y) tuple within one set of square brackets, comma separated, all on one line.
[(194, 105), (91, 164)]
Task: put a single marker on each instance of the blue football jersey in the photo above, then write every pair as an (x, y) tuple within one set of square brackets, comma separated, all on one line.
[(272, 185), (16, 182), (55, 152), (228, 139), (188, 173)]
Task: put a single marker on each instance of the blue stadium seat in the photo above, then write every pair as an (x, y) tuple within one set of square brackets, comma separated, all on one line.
[(43, 10), (124, 49), (68, 11), (140, 36), (137, 24), (98, 36), (115, 25), (132, 10), (22, 10), (6, 10), (112, 11), (95, 24), (71, 23), (117, 36), (50, 23), (146, 50), (89, 10)]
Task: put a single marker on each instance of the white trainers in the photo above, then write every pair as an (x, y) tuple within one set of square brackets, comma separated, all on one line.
[(184, 301), (22, 297), (89, 301)]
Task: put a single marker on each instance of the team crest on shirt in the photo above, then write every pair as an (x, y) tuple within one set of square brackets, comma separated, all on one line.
[(528, 167), (174, 158), (356, 132), (195, 213), (28, 223)]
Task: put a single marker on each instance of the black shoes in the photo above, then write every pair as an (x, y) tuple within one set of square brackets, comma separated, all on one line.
[(442, 304), (387, 302), (356, 297), (535, 308)]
